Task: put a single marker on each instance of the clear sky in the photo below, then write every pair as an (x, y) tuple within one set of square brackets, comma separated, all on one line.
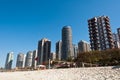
[(24, 22)]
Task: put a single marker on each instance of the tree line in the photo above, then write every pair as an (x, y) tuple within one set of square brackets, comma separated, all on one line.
[(110, 57)]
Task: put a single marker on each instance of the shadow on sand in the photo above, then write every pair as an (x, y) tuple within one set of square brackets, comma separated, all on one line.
[(115, 67)]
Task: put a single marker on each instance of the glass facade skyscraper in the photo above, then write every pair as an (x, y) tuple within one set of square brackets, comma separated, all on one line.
[(34, 59), (29, 56), (44, 50), (9, 61), (58, 50), (20, 60)]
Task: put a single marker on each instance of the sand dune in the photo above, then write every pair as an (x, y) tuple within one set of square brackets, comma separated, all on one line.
[(94, 73)]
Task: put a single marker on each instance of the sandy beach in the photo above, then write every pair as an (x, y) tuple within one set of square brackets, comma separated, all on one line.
[(93, 73)]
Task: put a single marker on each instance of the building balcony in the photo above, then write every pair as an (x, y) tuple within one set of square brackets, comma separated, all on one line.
[(106, 19), (111, 46), (91, 38), (95, 39), (107, 22), (95, 24), (110, 40), (90, 33), (107, 26), (110, 37), (108, 29), (96, 35), (89, 30), (89, 27), (93, 20), (94, 30), (95, 27), (89, 21), (89, 24), (109, 33)]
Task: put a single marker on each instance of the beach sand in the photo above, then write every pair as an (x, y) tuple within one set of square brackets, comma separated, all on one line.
[(91, 73)]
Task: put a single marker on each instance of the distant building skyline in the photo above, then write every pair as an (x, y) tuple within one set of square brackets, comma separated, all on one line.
[(43, 53)]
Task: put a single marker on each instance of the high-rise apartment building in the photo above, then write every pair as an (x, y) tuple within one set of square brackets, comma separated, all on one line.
[(83, 46), (58, 50), (116, 40), (34, 61), (9, 60), (67, 48), (44, 50), (20, 60), (75, 51), (28, 62), (53, 56), (100, 33), (118, 31)]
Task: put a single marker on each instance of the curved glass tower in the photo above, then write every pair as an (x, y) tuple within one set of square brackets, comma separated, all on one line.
[(9, 61), (20, 60), (67, 48), (28, 62)]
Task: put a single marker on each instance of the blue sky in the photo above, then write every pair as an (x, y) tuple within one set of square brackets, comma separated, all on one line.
[(24, 22)]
